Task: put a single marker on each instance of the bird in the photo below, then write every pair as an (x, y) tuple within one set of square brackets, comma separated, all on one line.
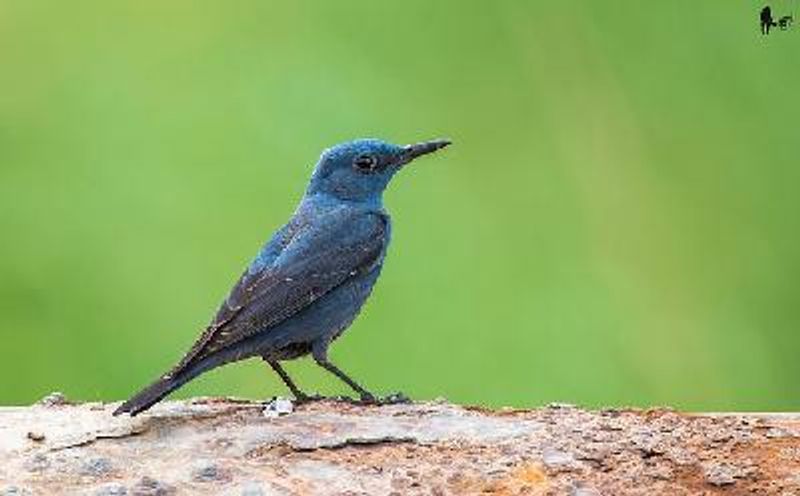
[(308, 283)]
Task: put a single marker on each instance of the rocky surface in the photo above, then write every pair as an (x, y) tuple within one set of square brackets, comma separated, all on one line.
[(233, 447)]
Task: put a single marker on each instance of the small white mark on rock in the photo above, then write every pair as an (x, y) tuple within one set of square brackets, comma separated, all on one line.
[(55, 398), (278, 407)]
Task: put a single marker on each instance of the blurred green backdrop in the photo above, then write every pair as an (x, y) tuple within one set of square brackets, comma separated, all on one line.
[(617, 222)]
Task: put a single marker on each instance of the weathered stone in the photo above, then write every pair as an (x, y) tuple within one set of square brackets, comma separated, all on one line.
[(209, 472), (148, 486), (226, 447), (111, 489), (97, 467)]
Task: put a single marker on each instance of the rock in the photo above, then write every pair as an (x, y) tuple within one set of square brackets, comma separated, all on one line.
[(209, 472), (224, 447), (147, 486), (252, 489), (584, 491), (35, 436), (97, 467), (111, 489), (721, 474), (556, 459), (37, 463), (15, 491)]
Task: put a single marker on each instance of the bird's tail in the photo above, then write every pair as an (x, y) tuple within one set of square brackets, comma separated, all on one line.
[(150, 395), (179, 376), (156, 391)]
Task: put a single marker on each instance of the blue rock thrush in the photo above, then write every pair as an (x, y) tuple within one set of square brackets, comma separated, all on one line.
[(308, 283)]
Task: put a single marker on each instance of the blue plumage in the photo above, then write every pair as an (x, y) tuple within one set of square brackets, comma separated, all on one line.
[(308, 283)]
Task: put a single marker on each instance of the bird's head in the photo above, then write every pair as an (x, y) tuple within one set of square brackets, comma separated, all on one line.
[(360, 170)]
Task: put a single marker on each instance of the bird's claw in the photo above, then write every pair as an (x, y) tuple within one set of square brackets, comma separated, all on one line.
[(395, 399), (371, 400)]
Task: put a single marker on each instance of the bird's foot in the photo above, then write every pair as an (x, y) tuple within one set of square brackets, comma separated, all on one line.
[(363, 400), (397, 398), (369, 399), (366, 399)]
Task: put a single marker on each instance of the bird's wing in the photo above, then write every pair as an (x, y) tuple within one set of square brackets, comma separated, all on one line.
[(318, 259)]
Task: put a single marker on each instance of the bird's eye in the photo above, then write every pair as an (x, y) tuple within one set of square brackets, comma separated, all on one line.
[(365, 163)]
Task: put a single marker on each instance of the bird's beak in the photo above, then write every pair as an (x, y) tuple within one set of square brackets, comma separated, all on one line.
[(410, 152)]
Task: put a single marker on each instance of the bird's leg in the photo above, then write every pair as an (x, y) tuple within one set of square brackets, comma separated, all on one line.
[(299, 395), (364, 395), (321, 357)]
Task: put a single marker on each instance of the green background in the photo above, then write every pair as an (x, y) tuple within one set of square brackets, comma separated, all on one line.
[(616, 223)]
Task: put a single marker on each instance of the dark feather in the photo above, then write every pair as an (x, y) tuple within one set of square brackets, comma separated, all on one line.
[(313, 263)]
